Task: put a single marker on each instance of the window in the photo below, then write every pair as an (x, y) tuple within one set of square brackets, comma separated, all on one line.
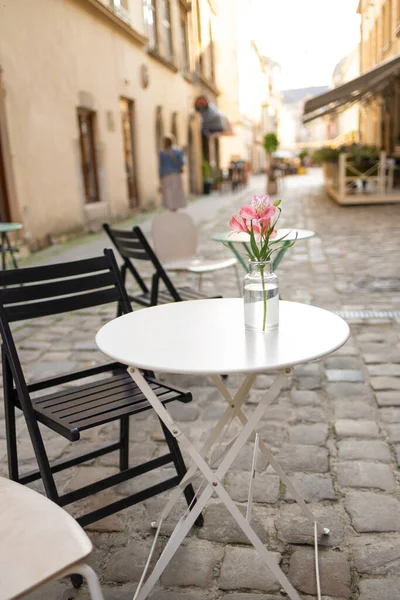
[(199, 40), (150, 21), (121, 8), (166, 32), (174, 127), (207, 63), (185, 42), (87, 139)]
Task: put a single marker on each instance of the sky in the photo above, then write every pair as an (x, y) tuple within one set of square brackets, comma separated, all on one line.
[(307, 37)]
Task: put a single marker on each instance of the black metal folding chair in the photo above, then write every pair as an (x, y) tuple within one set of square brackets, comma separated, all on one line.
[(55, 289), (134, 245)]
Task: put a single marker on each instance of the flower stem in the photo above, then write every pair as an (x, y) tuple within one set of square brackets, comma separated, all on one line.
[(264, 297)]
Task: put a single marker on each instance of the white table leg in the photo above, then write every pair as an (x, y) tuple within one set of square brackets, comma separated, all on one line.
[(274, 463), (215, 484)]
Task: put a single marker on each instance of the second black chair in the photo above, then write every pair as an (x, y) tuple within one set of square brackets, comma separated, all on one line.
[(134, 245)]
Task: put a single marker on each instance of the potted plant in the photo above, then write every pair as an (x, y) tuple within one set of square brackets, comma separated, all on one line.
[(302, 156), (271, 145), (207, 179)]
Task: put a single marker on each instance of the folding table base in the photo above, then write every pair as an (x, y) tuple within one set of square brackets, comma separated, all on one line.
[(215, 478)]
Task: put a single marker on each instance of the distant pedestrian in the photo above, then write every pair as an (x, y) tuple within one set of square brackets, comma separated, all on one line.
[(171, 161)]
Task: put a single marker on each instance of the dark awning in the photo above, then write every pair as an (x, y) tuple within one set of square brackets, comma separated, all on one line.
[(213, 121), (351, 91)]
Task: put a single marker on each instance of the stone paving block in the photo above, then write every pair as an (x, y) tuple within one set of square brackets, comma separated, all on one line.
[(358, 474), (390, 415), (310, 414), (242, 568), (309, 370), (393, 432), (387, 356), (354, 409), (219, 525), (364, 450), (346, 428), (272, 433), (312, 487), (388, 398), (244, 596), (245, 460), (335, 573), (380, 589), (127, 563), (342, 362), (370, 511), (348, 390), (376, 555), (303, 458), (309, 383), (305, 397), (186, 594), (294, 528), (334, 375), (397, 451), (183, 412), (384, 370), (193, 564), (385, 383), (315, 434), (266, 487)]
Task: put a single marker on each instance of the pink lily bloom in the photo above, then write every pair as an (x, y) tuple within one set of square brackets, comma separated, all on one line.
[(258, 209), (237, 224)]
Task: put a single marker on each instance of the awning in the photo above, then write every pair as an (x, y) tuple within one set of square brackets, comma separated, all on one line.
[(351, 91), (214, 122)]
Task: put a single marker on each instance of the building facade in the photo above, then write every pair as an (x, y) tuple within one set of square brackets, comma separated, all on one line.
[(248, 85), (380, 42), (345, 124), (88, 89)]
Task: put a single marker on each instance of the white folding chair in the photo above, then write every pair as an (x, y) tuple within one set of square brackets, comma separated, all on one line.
[(175, 243), (39, 543)]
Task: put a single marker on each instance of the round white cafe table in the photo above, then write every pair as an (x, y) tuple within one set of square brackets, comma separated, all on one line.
[(232, 239), (208, 337)]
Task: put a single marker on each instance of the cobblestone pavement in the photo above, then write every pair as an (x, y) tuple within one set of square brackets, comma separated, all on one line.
[(336, 428)]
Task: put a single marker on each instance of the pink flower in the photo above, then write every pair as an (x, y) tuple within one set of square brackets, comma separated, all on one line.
[(260, 208), (237, 224)]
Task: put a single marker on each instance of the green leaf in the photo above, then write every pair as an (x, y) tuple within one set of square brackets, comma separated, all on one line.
[(253, 244)]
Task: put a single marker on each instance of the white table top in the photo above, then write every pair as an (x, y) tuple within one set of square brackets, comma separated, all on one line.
[(208, 336), (232, 236)]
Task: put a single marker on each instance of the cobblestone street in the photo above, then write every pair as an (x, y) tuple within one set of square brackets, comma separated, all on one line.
[(335, 429)]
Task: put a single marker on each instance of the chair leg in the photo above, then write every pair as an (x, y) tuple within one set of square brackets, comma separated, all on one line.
[(11, 437), (124, 440), (9, 415), (181, 470), (92, 581)]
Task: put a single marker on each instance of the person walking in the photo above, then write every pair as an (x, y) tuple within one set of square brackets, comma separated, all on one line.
[(171, 161)]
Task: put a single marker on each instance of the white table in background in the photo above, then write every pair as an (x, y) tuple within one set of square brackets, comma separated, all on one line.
[(232, 239), (208, 337)]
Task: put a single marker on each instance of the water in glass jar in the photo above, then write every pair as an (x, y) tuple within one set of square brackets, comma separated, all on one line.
[(254, 306)]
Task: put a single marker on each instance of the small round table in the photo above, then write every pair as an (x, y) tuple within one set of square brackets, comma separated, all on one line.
[(208, 337), (5, 244), (287, 235)]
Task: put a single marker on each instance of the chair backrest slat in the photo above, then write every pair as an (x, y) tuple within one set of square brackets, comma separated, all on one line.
[(31, 310), (61, 287), (46, 272)]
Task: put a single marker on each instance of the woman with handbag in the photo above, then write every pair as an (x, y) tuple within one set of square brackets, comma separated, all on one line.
[(171, 163)]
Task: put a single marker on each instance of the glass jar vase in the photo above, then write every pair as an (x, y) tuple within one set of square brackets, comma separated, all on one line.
[(261, 297)]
